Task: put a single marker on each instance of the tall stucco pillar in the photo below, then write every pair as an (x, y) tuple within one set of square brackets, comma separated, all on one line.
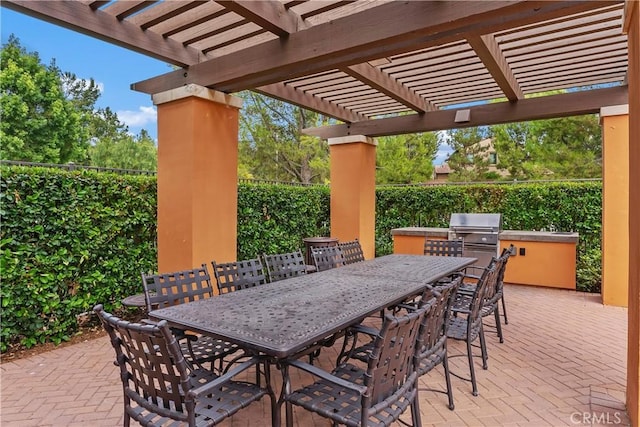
[(632, 28), (615, 205), (353, 190), (197, 177)]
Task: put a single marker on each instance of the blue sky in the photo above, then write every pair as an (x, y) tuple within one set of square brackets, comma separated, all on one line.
[(114, 68)]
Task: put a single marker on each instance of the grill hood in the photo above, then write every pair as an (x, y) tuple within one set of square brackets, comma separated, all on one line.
[(487, 222)]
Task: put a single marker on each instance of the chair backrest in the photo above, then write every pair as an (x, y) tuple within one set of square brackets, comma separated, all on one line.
[(481, 294), (493, 291), (153, 370), (432, 339), (167, 289), (234, 276), (283, 266), (504, 256), (390, 374), (352, 251), (443, 247), (327, 257)]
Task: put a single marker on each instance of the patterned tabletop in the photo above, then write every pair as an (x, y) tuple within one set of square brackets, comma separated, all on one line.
[(281, 318)]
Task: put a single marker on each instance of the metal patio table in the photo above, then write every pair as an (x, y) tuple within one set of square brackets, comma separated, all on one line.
[(280, 319)]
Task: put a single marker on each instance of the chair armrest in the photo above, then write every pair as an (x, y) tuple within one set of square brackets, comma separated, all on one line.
[(206, 388), (314, 370)]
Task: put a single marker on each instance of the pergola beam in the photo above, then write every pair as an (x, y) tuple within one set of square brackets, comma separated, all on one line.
[(545, 107), (268, 14), (382, 31), (488, 50), (96, 23), (288, 94), (390, 87)]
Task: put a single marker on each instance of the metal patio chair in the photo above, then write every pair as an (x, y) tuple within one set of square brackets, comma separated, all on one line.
[(285, 265), (160, 388), (351, 251), (167, 289), (237, 275), (466, 322), (373, 396), (432, 338), (494, 294), (443, 247), (327, 257)]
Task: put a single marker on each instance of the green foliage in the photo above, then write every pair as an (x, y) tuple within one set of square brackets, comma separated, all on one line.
[(49, 116), (406, 159), (271, 144), (41, 119), (124, 151), (569, 147), (470, 159), (275, 218), (70, 240)]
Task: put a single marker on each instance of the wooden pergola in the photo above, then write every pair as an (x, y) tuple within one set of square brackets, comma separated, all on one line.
[(379, 68)]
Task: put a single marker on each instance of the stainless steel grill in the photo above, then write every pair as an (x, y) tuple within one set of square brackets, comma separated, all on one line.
[(479, 231)]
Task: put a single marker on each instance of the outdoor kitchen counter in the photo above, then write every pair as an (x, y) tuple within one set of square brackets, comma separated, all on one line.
[(410, 240), (536, 253), (539, 236)]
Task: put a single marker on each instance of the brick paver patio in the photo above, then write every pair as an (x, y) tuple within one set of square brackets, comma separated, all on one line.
[(563, 362)]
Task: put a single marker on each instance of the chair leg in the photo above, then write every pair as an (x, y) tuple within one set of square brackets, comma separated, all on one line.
[(496, 314), (483, 348), (288, 414), (447, 378), (504, 311), (472, 370), (415, 411)]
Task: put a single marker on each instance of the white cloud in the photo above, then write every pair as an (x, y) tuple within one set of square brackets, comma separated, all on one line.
[(140, 118), (443, 152)]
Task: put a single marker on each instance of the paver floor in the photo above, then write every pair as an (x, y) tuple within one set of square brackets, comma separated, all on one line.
[(563, 363)]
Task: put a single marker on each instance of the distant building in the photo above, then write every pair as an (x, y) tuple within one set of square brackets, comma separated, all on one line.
[(441, 172)]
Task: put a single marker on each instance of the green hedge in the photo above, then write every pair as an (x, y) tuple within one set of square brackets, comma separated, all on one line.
[(72, 239), (275, 218), (68, 241)]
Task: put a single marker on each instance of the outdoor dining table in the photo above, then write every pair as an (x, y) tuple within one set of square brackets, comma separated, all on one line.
[(280, 319)]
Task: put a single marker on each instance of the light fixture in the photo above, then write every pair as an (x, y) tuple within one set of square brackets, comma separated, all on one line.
[(462, 116)]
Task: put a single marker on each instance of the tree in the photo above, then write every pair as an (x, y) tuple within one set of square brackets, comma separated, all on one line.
[(126, 152), (114, 147), (272, 146), (469, 160), (41, 118), (406, 159), (569, 147)]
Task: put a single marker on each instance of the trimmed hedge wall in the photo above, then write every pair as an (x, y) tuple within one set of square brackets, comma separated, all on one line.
[(70, 240)]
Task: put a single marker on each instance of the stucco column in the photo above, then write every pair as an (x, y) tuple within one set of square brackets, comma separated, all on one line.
[(615, 205), (197, 177), (632, 28), (353, 190)]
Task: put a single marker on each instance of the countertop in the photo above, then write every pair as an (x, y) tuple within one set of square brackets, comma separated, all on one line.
[(514, 235)]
